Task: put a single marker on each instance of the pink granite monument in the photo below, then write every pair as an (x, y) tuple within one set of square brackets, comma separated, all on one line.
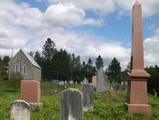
[(138, 76), (30, 91)]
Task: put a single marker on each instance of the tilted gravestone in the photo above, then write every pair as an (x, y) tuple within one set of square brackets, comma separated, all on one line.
[(20, 110), (101, 85), (87, 96), (71, 105)]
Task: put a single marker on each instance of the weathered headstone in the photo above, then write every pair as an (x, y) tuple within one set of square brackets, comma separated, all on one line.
[(71, 105), (85, 81), (87, 96), (124, 86), (20, 110), (101, 81)]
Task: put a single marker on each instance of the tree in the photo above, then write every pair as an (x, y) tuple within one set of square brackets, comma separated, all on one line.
[(90, 70), (61, 65), (153, 81), (4, 67), (48, 66), (75, 67), (114, 71), (99, 62), (83, 70), (49, 49)]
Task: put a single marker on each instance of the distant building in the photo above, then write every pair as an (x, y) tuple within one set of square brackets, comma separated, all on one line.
[(25, 64)]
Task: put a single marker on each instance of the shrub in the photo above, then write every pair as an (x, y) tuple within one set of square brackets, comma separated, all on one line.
[(14, 80)]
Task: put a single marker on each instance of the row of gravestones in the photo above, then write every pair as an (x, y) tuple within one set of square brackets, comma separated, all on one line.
[(65, 82), (73, 103), (100, 82)]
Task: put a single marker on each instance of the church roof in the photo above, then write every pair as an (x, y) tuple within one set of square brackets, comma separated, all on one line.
[(31, 59)]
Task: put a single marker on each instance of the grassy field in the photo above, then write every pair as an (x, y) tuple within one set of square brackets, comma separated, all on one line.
[(107, 106)]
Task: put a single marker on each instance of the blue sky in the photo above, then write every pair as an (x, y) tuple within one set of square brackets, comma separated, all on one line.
[(81, 26)]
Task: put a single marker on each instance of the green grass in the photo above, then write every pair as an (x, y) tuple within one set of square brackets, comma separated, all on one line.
[(109, 105)]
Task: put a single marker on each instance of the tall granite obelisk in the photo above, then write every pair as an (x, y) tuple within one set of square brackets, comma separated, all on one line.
[(138, 76)]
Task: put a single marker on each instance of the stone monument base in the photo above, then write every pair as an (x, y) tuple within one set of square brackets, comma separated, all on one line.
[(139, 108), (36, 105)]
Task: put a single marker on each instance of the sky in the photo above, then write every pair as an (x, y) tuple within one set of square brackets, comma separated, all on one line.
[(85, 27)]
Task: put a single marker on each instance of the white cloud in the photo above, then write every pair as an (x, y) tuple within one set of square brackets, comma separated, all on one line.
[(151, 49), (67, 14), (104, 7), (22, 26)]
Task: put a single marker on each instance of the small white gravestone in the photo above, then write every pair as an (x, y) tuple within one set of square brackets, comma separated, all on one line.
[(85, 81), (71, 82), (62, 82), (71, 105), (81, 83), (20, 110)]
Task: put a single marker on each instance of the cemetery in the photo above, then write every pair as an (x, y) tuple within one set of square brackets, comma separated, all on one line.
[(57, 86), (106, 105)]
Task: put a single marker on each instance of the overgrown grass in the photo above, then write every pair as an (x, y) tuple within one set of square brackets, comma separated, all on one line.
[(109, 105)]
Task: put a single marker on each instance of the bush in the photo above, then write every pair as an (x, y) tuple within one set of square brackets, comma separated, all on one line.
[(14, 80)]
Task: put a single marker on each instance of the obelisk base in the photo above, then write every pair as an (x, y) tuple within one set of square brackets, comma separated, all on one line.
[(139, 108), (138, 99)]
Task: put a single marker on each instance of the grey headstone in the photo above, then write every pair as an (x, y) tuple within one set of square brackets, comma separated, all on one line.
[(118, 87), (87, 96), (20, 110), (124, 86), (71, 105), (101, 81), (85, 81)]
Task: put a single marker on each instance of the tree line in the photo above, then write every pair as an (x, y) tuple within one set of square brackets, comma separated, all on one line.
[(61, 65)]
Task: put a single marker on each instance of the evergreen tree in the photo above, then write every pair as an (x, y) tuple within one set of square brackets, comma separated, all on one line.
[(38, 57), (153, 81), (90, 70), (84, 71), (49, 49), (114, 71), (41, 61), (48, 66), (61, 64), (75, 67), (4, 67), (99, 62)]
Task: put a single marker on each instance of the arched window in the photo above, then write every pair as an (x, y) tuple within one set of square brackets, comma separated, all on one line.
[(20, 67), (24, 68), (16, 67)]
